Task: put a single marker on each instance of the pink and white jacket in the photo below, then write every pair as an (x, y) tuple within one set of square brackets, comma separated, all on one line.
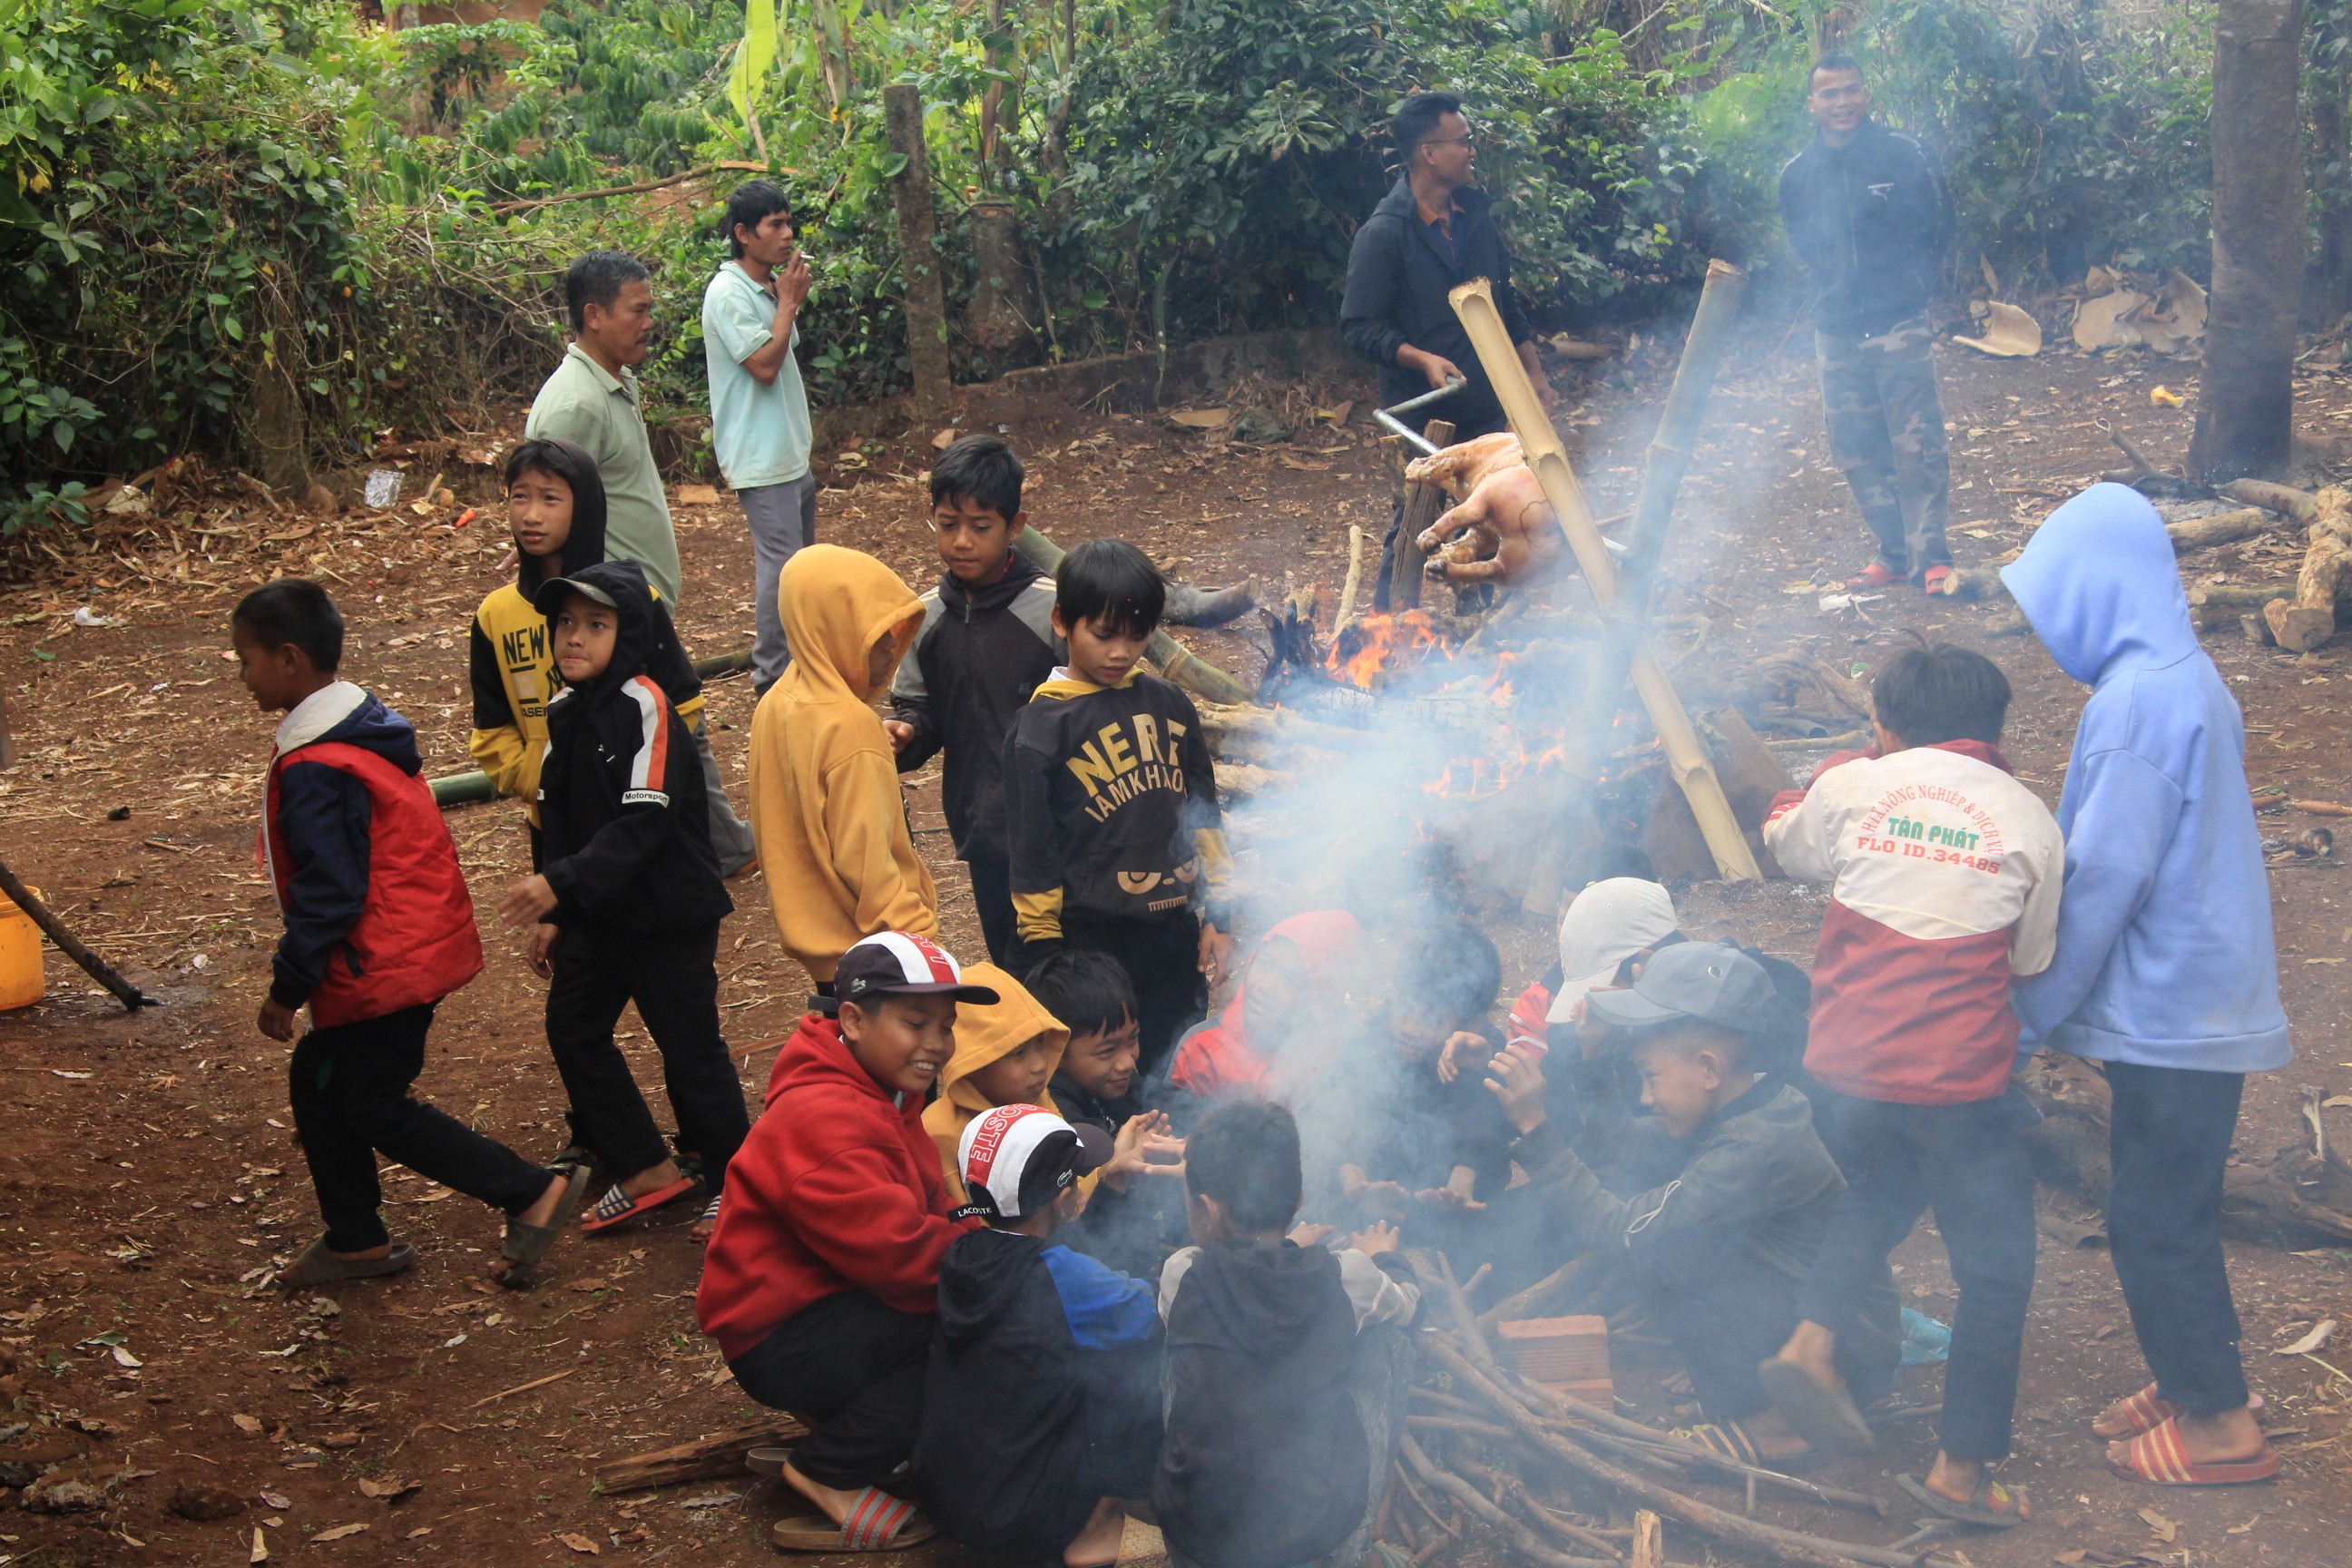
[(1945, 876)]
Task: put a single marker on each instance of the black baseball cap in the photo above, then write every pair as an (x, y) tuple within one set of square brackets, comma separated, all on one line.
[(901, 963), (1695, 982)]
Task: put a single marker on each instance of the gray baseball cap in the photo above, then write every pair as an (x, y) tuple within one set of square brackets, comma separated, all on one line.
[(1700, 981)]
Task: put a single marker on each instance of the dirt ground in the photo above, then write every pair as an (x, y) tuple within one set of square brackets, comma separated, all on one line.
[(150, 1175)]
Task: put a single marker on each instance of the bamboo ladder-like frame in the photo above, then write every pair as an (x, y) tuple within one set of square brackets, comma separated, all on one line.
[(1686, 757)]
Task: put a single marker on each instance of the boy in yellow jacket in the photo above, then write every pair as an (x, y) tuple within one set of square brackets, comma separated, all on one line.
[(1004, 1055), (825, 807)]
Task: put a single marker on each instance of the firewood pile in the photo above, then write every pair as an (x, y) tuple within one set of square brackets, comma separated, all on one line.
[(1492, 1457)]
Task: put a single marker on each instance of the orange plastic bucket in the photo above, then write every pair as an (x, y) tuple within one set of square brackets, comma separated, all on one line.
[(21, 983)]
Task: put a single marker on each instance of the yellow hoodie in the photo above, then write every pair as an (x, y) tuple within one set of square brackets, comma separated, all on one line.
[(984, 1035), (825, 807)]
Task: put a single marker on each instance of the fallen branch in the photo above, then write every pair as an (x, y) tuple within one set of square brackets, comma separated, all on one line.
[(702, 1459), (522, 1388), (2320, 807), (2128, 450), (2220, 528), (97, 968), (1522, 1539), (2309, 619), (1348, 590), (2285, 500), (1545, 1292), (1789, 1545), (1509, 1487)]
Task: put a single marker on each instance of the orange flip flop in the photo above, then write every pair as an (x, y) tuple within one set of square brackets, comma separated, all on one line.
[(2159, 1457), (617, 1207)]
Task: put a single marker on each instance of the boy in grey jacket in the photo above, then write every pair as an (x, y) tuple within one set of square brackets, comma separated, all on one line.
[(1720, 1249)]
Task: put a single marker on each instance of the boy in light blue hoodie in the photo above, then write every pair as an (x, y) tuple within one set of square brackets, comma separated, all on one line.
[(2165, 972)]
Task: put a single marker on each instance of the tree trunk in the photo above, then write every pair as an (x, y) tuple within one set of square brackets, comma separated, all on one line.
[(2245, 415), (919, 256), (992, 317), (2331, 131)]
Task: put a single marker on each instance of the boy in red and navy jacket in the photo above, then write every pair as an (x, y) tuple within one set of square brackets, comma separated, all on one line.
[(379, 928), (1945, 875)]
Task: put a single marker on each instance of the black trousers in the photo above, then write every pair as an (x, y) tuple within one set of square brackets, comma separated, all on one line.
[(1968, 1164), (2169, 1141), (673, 977), (992, 894), (852, 1369), (347, 1085), (1162, 960), (1725, 1309)]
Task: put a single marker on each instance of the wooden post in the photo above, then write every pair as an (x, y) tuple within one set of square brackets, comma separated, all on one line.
[(1667, 460), (1423, 501), (1649, 1540), (919, 257), (1687, 756)]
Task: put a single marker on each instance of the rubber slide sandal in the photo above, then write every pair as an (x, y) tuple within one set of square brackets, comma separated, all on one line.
[(317, 1265), (768, 1460), (617, 1208), (2144, 1411), (877, 1522), (1823, 1416), (1980, 1510), (2159, 1456), (526, 1245)]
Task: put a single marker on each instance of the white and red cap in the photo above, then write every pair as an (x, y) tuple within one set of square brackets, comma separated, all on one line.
[(1011, 1150), (900, 963)]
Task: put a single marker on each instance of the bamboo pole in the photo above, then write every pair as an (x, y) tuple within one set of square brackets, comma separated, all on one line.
[(1686, 755)]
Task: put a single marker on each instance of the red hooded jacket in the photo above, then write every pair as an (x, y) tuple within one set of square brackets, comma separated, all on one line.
[(837, 1188)]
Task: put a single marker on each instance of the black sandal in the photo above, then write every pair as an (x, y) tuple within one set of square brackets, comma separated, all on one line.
[(526, 1246), (318, 1266)]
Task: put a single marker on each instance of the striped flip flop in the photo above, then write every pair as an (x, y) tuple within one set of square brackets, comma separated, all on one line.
[(877, 1522), (2145, 1412), (2159, 1456), (616, 1207)]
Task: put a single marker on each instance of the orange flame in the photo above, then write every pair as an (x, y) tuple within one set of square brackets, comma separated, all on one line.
[(1379, 645)]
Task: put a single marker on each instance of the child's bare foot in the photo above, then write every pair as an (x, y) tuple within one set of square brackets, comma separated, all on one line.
[(1097, 1543)]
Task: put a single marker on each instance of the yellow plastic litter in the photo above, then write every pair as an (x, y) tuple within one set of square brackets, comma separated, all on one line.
[(21, 983), (2163, 398)]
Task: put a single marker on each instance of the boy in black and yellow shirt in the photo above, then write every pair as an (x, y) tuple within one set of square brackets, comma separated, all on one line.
[(1113, 802), (555, 505)]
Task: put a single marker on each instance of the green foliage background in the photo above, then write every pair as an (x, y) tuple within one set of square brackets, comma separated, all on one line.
[(192, 192)]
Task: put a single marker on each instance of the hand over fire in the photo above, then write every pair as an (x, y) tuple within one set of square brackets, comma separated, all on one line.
[(1518, 1084), (1144, 1147)]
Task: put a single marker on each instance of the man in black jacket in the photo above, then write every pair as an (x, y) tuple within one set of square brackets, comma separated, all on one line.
[(1434, 231), (1866, 211)]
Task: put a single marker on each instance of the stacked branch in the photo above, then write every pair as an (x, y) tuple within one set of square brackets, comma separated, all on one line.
[(1492, 1409), (2307, 620)]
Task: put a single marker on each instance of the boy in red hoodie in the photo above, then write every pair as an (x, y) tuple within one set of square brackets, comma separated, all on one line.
[(822, 1280)]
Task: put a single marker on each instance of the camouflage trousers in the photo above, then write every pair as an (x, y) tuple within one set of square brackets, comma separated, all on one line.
[(1886, 431)]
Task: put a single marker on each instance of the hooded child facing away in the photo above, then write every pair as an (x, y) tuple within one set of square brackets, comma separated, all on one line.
[(1041, 1406), (1286, 1371), (822, 1282), (2165, 969), (628, 906), (834, 844)]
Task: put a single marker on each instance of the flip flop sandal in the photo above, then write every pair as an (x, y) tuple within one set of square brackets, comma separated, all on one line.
[(767, 1459), (1877, 574), (526, 1246), (1823, 1416), (877, 1522), (318, 1266), (1937, 576), (2159, 1456), (1984, 1508), (2144, 1411), (707, 1222), (1730, 1440), (617, 1207)]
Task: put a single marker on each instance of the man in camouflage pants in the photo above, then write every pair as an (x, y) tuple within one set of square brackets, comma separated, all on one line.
[(1866, 212)]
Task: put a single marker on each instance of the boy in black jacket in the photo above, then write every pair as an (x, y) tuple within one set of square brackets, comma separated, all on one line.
[(628, 904), (988, 641), (1041, 1404), (1287, 1365), (1114, 802)]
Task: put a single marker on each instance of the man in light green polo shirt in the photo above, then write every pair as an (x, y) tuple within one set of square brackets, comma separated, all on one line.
[(592, 401), (758, 409)]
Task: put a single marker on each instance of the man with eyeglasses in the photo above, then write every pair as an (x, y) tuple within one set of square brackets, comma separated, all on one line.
[(1866, 212), (1434, 231)]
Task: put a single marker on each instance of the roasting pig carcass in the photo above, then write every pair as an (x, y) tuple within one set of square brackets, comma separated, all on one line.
[(1501, 529)]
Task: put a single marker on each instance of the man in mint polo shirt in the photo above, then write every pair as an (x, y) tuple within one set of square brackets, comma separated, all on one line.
[(592, 401), (759, 410)]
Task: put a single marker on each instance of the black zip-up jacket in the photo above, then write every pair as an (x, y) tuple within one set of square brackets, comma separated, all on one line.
[(980, 654), (1873, 222), (623, 815), (1399, 270)]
